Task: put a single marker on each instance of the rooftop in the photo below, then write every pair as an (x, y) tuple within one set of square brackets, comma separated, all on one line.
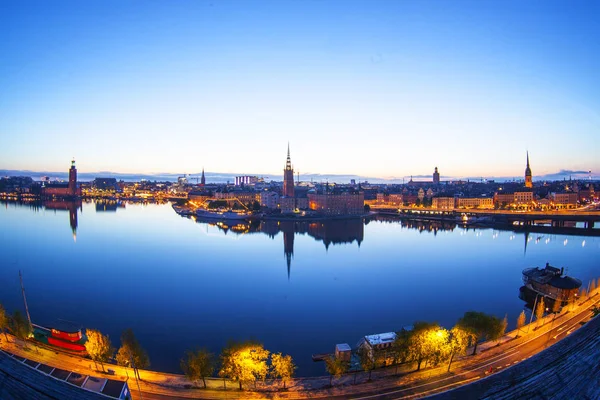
[(381, 338)]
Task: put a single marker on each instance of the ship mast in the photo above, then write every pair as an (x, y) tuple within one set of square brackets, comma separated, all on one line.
[(25, 300)]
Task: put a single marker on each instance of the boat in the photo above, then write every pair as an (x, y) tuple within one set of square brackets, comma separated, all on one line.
[(63, 334), (222, 215), (551, 282)]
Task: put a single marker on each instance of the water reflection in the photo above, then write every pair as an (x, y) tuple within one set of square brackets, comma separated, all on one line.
[(332, 232), (110, 205)]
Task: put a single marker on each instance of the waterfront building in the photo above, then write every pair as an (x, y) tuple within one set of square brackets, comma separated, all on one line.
[(70, 189), (350, 202), (343, 352), (288, 176), (564, 200), (475, 202), (588, 195), (504, 199), (287, 204), (269, 199), (377, 343), (528, 178), (551, 283), (302, 203), (436, 176), (443, 203), (523, 197)]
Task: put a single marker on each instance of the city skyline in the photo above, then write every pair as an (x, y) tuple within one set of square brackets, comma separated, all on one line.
[(374, 89)]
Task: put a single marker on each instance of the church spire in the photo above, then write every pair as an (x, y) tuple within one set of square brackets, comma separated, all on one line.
[(288, 162), (527, 158)]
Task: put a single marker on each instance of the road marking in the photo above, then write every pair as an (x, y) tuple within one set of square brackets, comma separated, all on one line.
[(442, 387)]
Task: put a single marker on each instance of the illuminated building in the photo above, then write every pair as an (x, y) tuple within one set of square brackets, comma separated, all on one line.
[(475, 202), (443, 203), (245, 180), (528, 179), (341, 203), (288, 177), (564, 200), (70, 189)]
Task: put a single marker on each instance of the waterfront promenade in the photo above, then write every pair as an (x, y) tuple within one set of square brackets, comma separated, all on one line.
[(387, 382)]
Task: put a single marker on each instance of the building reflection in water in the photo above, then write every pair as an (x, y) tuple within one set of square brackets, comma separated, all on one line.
[(64, 205), (110, 205), (332, 232)]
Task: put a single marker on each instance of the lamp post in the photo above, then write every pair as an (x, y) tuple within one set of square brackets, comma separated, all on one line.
[(532, 312)]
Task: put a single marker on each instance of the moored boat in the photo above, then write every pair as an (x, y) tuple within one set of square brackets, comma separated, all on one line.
[(551, 282)]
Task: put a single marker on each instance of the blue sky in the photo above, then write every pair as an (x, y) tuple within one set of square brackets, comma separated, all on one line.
[(374, 88)]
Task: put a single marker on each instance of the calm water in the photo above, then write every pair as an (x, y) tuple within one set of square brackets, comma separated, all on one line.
[(298, 288)]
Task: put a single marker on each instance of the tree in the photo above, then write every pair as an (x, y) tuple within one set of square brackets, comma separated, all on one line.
[(458, 341), (556, 306), (98, 346), (520, 321), (540, 309), (367, 360), (426, 343), (20, 326), (198, 365), (481, 326), (131, 354), (400, 347), (336, 367), (3, 321), (244, 362), (504, 324), (283, 367)]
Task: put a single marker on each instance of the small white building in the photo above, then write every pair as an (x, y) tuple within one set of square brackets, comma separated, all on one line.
[(377, 342)]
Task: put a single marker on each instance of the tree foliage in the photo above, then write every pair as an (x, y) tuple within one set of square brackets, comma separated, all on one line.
[(367, 360), (131, 354), (98, 346), (481, 326), (425, 343), (3, 321), (198, 365), (458, 341), (540, 309), (336, 367), (283, 367), (521, 321), (20, 326), (400, 347), (244, 362)]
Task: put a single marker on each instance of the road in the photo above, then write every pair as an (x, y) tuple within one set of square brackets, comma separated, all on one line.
[(156, 385)]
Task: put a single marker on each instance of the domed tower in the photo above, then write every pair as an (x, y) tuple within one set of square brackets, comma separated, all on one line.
[(528, 180)]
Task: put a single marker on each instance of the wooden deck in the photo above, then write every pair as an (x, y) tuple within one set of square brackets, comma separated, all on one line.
[(567, 370)]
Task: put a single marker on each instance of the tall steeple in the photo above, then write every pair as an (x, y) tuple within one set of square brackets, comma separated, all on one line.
[(528, 178), (202, 178), (288, 176)]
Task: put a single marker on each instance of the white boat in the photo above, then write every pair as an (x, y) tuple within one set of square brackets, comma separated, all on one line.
[(222, 215)]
